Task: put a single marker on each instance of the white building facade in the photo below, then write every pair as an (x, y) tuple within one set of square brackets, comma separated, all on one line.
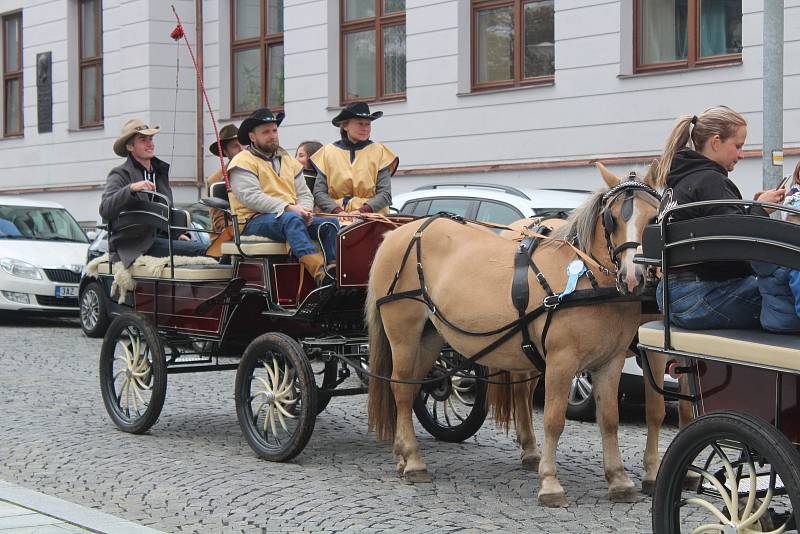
[(517, 92)]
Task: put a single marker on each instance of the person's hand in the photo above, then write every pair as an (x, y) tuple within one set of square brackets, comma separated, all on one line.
[(307, 216), (774, 196), (143, 185), (184, 237)]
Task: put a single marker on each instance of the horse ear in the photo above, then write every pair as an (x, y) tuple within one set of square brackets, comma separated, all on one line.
[(652, 172), (609, 177)]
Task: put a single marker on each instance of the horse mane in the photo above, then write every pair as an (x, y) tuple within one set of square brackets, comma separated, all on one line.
[(581, 224)]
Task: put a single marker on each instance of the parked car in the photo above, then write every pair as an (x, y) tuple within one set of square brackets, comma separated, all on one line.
[(95, 306), (503, 205), (42, 252)]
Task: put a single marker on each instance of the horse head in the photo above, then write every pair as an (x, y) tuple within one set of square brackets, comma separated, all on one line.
[(627, 207)]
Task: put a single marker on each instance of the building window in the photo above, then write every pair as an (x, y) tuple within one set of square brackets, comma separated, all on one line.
[(12, 75), (681, 34), (256, 55), (513, 43), (90, 30), (373, 46)]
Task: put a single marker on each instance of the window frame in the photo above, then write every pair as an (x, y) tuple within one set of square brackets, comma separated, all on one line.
[(693, 59), (483, 201), (13, 75), (377, 23), (518, 80), (263, 42), (86, 62)]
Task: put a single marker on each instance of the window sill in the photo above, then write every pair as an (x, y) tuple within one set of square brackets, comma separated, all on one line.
[(87, 128), (478, 92), (679, 70), (12, 137), (369, 102)]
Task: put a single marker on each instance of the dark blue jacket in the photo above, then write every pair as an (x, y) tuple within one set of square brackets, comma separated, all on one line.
[(780, 305)]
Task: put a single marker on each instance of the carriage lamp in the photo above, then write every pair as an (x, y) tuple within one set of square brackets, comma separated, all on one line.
[(20, 268), (19, 298)]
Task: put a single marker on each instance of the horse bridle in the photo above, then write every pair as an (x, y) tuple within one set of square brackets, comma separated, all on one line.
[(628, 189)]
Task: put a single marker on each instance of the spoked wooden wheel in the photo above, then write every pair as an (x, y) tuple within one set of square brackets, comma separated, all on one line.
[(133, 373), (276, 397), (748, 478), (454, 408)]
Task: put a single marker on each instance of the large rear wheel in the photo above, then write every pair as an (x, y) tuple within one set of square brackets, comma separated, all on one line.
[(454, 408), (749, 478), (276, 397), (133, 373)]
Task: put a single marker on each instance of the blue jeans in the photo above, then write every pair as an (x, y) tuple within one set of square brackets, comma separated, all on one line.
[(291, 228), (707, 305), (160, 248)]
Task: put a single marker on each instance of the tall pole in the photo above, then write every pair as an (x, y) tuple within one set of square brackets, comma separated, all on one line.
[(200, 168), (772, 159)]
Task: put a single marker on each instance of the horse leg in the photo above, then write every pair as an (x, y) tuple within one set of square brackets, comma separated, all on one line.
[(415, 365), (557, 380), (522, 395), (606, 395), (655, 411)]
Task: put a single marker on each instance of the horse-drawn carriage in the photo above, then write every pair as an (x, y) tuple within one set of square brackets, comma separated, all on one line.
[(294, 345), (736, 467)]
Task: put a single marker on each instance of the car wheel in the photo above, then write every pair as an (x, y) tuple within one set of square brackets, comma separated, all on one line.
[(94, 310), (580, 403)]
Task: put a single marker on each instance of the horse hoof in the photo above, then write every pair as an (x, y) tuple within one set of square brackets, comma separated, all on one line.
[(648, 487), (691, 482), (625, 494), (418, 477), (401, 466), (531, 463), (553, 500)]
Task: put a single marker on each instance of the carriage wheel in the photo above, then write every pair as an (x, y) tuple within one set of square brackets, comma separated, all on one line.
[(276, 397), (133, 373), (94, 310), (749, 478), (454, 408)]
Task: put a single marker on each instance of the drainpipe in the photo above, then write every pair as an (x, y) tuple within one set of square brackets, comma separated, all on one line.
[(772, 157), (200, 169)]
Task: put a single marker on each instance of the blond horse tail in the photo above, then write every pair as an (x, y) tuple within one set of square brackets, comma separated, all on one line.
[(499, 398), (381, 410)]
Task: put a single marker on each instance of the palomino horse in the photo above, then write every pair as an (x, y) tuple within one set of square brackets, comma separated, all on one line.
[(515, 401), (465, 277)]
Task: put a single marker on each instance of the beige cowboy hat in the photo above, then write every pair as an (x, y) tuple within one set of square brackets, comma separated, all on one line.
[(129, 129), (227, 133)]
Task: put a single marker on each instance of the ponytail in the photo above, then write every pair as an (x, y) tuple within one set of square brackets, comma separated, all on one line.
[(695, 131)]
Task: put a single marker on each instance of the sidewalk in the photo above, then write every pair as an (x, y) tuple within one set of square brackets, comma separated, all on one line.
[(26, 511)]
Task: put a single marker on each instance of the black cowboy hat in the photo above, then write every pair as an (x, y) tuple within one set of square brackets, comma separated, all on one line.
[(356, 110), (258, 117), (227, 133)]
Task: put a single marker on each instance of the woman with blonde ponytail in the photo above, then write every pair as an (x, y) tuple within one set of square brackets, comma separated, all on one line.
[(701, 150)]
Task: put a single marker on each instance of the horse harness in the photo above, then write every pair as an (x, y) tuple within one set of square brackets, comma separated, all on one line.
[(520, 292)]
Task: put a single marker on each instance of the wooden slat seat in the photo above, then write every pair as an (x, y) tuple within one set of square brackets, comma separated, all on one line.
[(200, 271), (256, 246), (747, 346)]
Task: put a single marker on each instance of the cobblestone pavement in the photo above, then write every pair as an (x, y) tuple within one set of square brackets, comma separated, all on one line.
[(195, 472)]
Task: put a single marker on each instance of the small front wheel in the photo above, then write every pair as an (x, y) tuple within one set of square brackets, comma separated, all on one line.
[(276, 397), (745, 478), (133, 373)]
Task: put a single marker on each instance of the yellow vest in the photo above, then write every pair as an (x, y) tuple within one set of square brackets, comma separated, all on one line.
[(272, 184), (356, 180)]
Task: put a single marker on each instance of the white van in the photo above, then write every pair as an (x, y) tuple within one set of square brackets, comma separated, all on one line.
[(42, 252)]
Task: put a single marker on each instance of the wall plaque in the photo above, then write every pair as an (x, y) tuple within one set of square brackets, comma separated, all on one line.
[(44, 91)]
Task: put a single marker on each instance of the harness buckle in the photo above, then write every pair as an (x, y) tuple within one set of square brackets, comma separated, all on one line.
[(527, 348), (540, 277), (550, 302)]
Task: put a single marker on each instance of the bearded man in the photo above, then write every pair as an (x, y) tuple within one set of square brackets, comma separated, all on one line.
[(270, 197)]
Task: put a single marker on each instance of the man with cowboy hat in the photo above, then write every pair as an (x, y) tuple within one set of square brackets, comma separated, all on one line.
[(270, 196), (354, 174), (229, 143), (128, 184)]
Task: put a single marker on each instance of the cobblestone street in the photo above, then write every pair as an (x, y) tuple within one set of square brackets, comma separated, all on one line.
[(195, 472)]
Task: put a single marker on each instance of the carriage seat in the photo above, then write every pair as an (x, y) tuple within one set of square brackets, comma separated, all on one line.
[(748, 346), (253, 245), (186, 268)]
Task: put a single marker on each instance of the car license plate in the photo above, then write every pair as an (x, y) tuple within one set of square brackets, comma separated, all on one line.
[(66, 291)]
